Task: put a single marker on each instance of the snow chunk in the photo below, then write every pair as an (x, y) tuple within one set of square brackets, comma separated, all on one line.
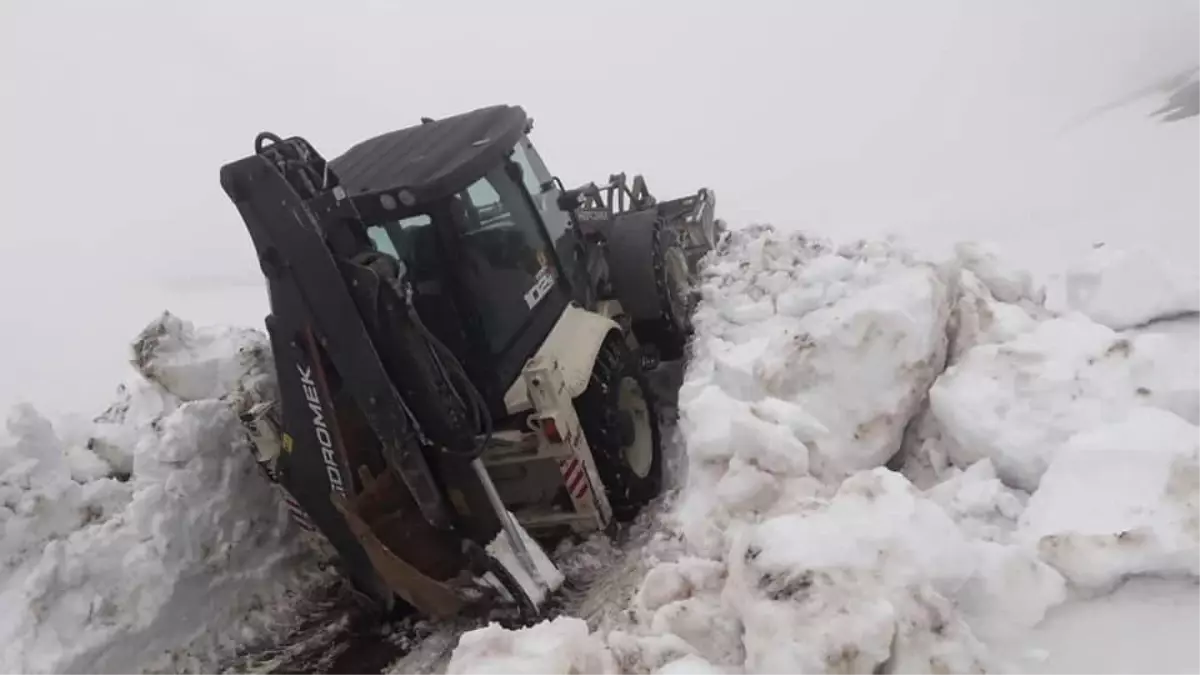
[(1004, 281), (561, 645), (855, 342), (979, 318), (1120, 499), (1018, 402), (982, 506), (167, 550), (646, 655), (1126, 288), (679, 580), (860, 583), (198, 363)]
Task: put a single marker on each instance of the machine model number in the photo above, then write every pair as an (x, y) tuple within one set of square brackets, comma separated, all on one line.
[(545, 281)]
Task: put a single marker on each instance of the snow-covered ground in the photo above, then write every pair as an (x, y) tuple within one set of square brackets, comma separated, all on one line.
[(1049, 459), (148, 540)]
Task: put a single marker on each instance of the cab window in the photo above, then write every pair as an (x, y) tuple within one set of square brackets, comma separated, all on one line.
[(507, 266)]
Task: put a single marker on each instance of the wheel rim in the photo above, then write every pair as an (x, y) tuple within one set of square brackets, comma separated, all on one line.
[(638, 453)]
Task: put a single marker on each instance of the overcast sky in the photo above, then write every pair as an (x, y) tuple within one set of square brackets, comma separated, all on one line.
[(845, 117)]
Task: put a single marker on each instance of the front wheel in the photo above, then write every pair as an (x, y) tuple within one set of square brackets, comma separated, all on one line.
[(649, 273), (619, 417)]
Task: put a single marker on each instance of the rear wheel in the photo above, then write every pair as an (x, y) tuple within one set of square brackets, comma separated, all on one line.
[(620, 422)]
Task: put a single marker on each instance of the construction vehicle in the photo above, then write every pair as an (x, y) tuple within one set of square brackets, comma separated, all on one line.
[(461, 347)]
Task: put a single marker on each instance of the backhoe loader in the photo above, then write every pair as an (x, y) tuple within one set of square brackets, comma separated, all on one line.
[(461, 347)]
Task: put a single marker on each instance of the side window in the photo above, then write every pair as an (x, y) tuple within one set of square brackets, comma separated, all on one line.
[(483, 195), (397, 238), (530, 175), (486, 204), (533, 175), (381, 241), (499, 226)]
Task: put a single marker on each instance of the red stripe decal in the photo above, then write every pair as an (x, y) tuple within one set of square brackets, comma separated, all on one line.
[(568, 468), (583, 488), (575, 482)]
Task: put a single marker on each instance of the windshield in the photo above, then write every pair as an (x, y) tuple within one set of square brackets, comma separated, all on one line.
[(507, 265)]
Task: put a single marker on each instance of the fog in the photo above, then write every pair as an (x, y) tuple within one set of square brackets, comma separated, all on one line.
[(937, 119)]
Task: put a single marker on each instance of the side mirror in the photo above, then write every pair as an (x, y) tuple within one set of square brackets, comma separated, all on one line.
[(549, 185)]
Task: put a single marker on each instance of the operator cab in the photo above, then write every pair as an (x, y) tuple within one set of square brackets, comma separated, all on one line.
[(467, 205)]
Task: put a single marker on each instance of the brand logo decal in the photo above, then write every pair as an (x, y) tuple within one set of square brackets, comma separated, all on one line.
[(324, 438)]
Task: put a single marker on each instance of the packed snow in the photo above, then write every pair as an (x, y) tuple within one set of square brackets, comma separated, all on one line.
[(896, 464), (152, 543)]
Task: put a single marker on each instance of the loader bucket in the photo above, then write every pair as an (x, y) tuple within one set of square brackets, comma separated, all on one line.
[(383, 524), (693, 218)]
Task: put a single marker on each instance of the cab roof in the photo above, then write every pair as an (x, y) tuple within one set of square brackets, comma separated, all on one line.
[(433, 159)]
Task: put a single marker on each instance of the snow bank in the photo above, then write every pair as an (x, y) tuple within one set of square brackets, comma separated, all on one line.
[(801, 552), (809, 556), (1127, 288), (158, 545), (1057, 455)]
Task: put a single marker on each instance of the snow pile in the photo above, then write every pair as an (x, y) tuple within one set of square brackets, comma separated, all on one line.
[(802, 553), (810, 556), (1057, 456), (158, 545), (1127, 288)]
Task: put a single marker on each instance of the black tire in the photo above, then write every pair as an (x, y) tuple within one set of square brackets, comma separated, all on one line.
[(670, 332), (650, 277), (527, 610), (629, 485)]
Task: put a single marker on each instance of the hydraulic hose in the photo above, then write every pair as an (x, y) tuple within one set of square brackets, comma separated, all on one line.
[(482, 419), (448, 365)]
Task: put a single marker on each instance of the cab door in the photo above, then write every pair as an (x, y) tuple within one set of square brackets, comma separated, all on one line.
[(544, 191)]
